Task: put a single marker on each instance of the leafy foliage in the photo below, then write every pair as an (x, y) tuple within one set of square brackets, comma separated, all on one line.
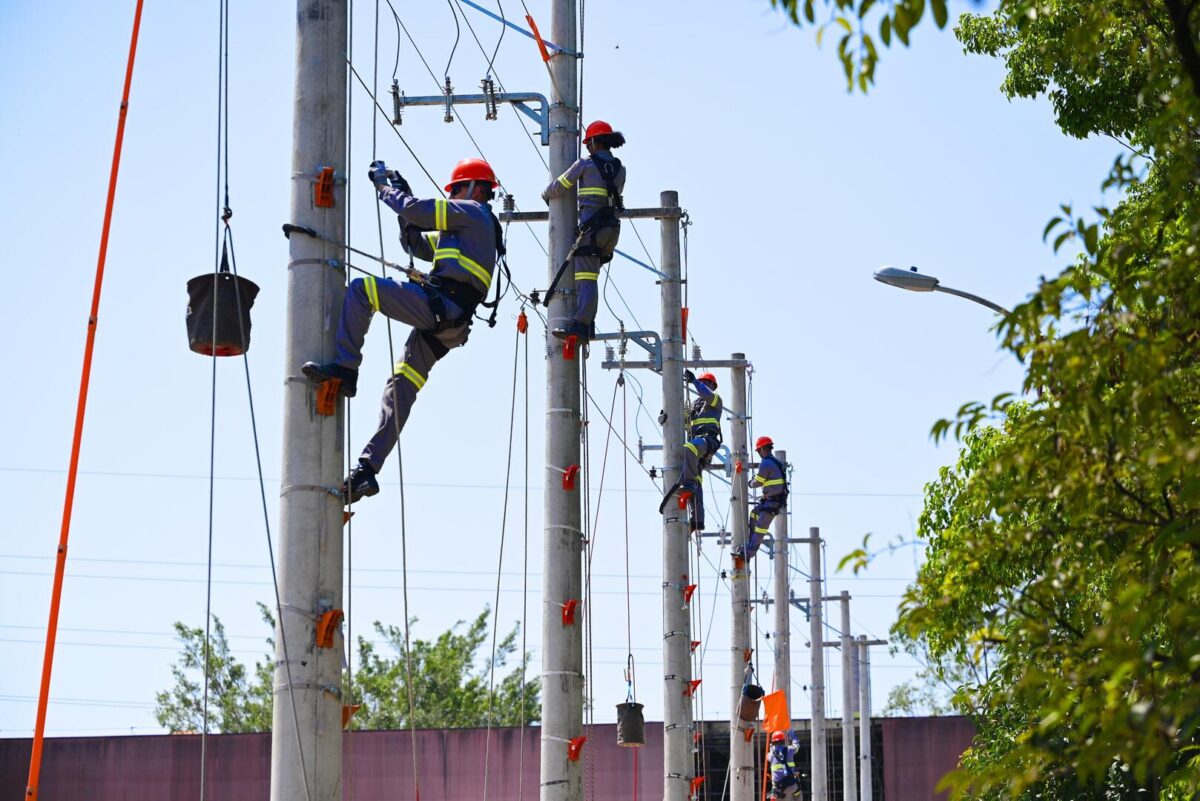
[(1063, 543), (239, 700), (448, 689)]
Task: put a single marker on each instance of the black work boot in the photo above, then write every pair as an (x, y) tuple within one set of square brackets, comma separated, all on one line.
[(360, 484), (319, 373), (572, 328)]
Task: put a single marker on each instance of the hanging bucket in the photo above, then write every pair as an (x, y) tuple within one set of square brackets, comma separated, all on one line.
[(751, 698), (631, 726), (232, 296)]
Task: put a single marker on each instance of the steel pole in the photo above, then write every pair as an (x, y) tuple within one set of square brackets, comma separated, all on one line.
[(783, 636), (741, 750), (307, 748), (864, 720), (562, 579), (820, 782), (677, 670), (849, 760)]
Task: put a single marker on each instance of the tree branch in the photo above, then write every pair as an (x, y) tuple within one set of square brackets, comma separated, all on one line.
[(1185, 41)]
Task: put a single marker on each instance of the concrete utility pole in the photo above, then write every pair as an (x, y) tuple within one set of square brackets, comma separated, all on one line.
[(741, 749), (562, 579), (678, 766), (864, 720), (306, 751), (820, 782), (864, 703), (783, 625), (849, 759)]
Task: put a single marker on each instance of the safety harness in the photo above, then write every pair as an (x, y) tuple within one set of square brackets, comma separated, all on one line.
[(779, 500), (464, 295)]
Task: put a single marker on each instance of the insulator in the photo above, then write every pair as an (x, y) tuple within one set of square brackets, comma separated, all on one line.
[(448, 90), (397, 103), (608, 353), (695, 352), (509, 203), (489, 97)]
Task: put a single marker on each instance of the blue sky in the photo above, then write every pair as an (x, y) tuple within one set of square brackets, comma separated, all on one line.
[(797, 192)]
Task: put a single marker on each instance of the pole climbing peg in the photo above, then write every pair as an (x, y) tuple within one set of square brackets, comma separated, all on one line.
[(327, 624), (688, 591), (569, 345), (695, 786), (327, 395), (569, 476), (323, 189), (692, 685), (568, 611), (575, 747), (693, 645)]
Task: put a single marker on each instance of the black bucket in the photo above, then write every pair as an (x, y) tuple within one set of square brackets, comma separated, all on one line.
[(229, 333), (631, 726), (752, 696)]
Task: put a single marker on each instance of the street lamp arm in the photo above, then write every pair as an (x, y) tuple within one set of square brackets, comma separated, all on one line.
[(976, 298)]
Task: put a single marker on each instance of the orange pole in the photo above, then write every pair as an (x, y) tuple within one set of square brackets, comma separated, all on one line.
[(35, 758)]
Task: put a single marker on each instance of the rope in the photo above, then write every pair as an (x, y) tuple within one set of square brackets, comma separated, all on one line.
[(512, 422), (349, 424), (524, 592)]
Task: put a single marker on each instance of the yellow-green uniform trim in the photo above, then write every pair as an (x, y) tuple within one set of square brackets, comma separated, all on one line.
[(404, 369), (372, 292), (473, 267)]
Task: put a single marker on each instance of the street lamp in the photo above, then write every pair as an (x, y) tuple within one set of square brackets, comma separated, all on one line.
[(914, 281)]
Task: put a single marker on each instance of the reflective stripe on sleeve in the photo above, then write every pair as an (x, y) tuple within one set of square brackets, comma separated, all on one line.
[(372, 292), (702, 421), (774, 482), (439, 214), (565, 181), (587, 276), (406, 370)]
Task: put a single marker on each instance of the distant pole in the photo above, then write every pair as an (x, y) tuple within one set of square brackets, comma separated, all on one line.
[(308, 748), (783, 626), (849, 760), (741, 750), (820, 783), (864, 720), (678, 766), (854, 677), (562, 579)]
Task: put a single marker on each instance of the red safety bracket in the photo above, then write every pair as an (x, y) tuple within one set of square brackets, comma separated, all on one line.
[(323, 189), (569, 347), (569, 476), (327, 624), (693, 645), (748, 734), (348, 711), (738, 467), (684, 497), (522, 323), (739, 561), (747, 653), (683, 314), (575, 747), (696, 782), (568, 611), (691, 689), (688, 592), (346, 515), (538, 37), (327, 395)]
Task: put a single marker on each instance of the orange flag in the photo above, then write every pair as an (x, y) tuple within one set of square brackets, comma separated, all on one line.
[(775, 712)]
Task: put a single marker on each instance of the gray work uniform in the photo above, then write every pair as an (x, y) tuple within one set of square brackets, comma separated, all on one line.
[(771, 502), (459, 237), (598, 225)]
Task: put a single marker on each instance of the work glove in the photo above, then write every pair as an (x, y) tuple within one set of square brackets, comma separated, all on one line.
[(689, 375), (662, 417), (378, 173)]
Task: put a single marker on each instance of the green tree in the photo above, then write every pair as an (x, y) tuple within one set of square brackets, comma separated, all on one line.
[(450, 681), (1063, 543), (239, 699)]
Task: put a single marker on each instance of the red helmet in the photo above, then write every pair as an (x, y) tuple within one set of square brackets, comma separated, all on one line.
[(472, 170), (709, 377), (763, 442), (596, 129), (778, 737)]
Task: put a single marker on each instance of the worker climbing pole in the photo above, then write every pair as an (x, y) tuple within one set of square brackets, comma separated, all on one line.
[(599, 181), (465, 242), (703, 440)]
